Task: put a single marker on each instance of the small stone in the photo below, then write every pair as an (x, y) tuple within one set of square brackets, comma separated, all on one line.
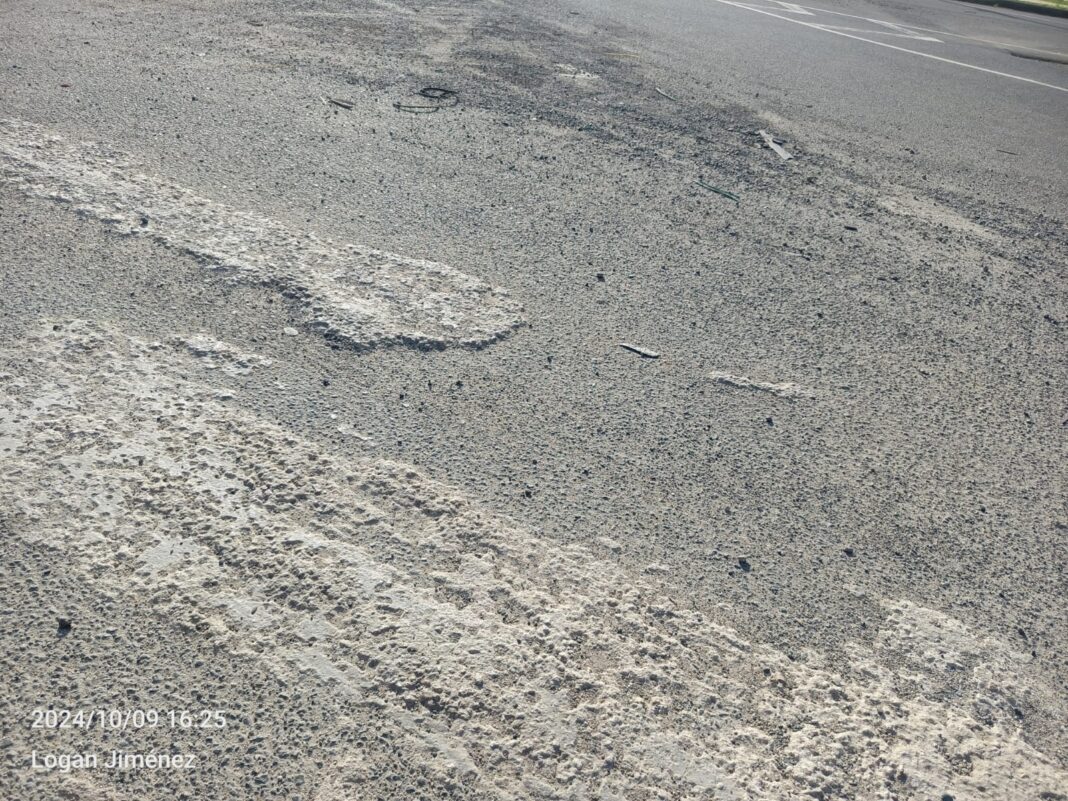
[(64, 627), (289, 331), (743, 563), (848, 552)]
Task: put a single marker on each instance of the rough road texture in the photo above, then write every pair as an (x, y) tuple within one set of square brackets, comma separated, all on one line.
[(846, 467), (488, 665), (359, 296)]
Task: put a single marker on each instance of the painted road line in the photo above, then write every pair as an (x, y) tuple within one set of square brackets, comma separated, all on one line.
[(906, 31), (894, 47), (902, 32), (993, 42), (795, 8)]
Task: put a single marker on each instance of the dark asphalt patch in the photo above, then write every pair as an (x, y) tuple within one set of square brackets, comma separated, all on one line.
[(1032, 57)]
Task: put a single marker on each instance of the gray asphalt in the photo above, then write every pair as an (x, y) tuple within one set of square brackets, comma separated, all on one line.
[(903, 272), (953, 120)]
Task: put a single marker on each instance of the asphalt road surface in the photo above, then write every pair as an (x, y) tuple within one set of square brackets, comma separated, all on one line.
[(464, 400), (957, 83)]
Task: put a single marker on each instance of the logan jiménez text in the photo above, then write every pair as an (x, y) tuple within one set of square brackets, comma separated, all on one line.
[(114, 760)]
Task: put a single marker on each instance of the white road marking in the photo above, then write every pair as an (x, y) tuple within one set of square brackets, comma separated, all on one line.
[(903, 33), (899, 30), (904, 30), (795, 8), (895, 47), (925, 30)]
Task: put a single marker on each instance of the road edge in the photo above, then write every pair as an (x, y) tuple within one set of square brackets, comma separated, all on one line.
[(1023, 5)]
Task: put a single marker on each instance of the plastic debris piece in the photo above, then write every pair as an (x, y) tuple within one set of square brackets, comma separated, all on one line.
[(330, 101), (645, 354), (432, 93), (769, 140), (718, 191)]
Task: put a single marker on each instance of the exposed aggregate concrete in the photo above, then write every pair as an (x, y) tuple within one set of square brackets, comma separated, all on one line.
[(489, 662)]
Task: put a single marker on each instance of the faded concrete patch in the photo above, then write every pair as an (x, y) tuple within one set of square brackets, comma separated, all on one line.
[(514, 669), (351, 293)]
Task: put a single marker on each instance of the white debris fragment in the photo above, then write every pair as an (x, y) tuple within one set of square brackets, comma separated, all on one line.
[(769, 140), (643, 352), (783, 390), (572, 73)]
